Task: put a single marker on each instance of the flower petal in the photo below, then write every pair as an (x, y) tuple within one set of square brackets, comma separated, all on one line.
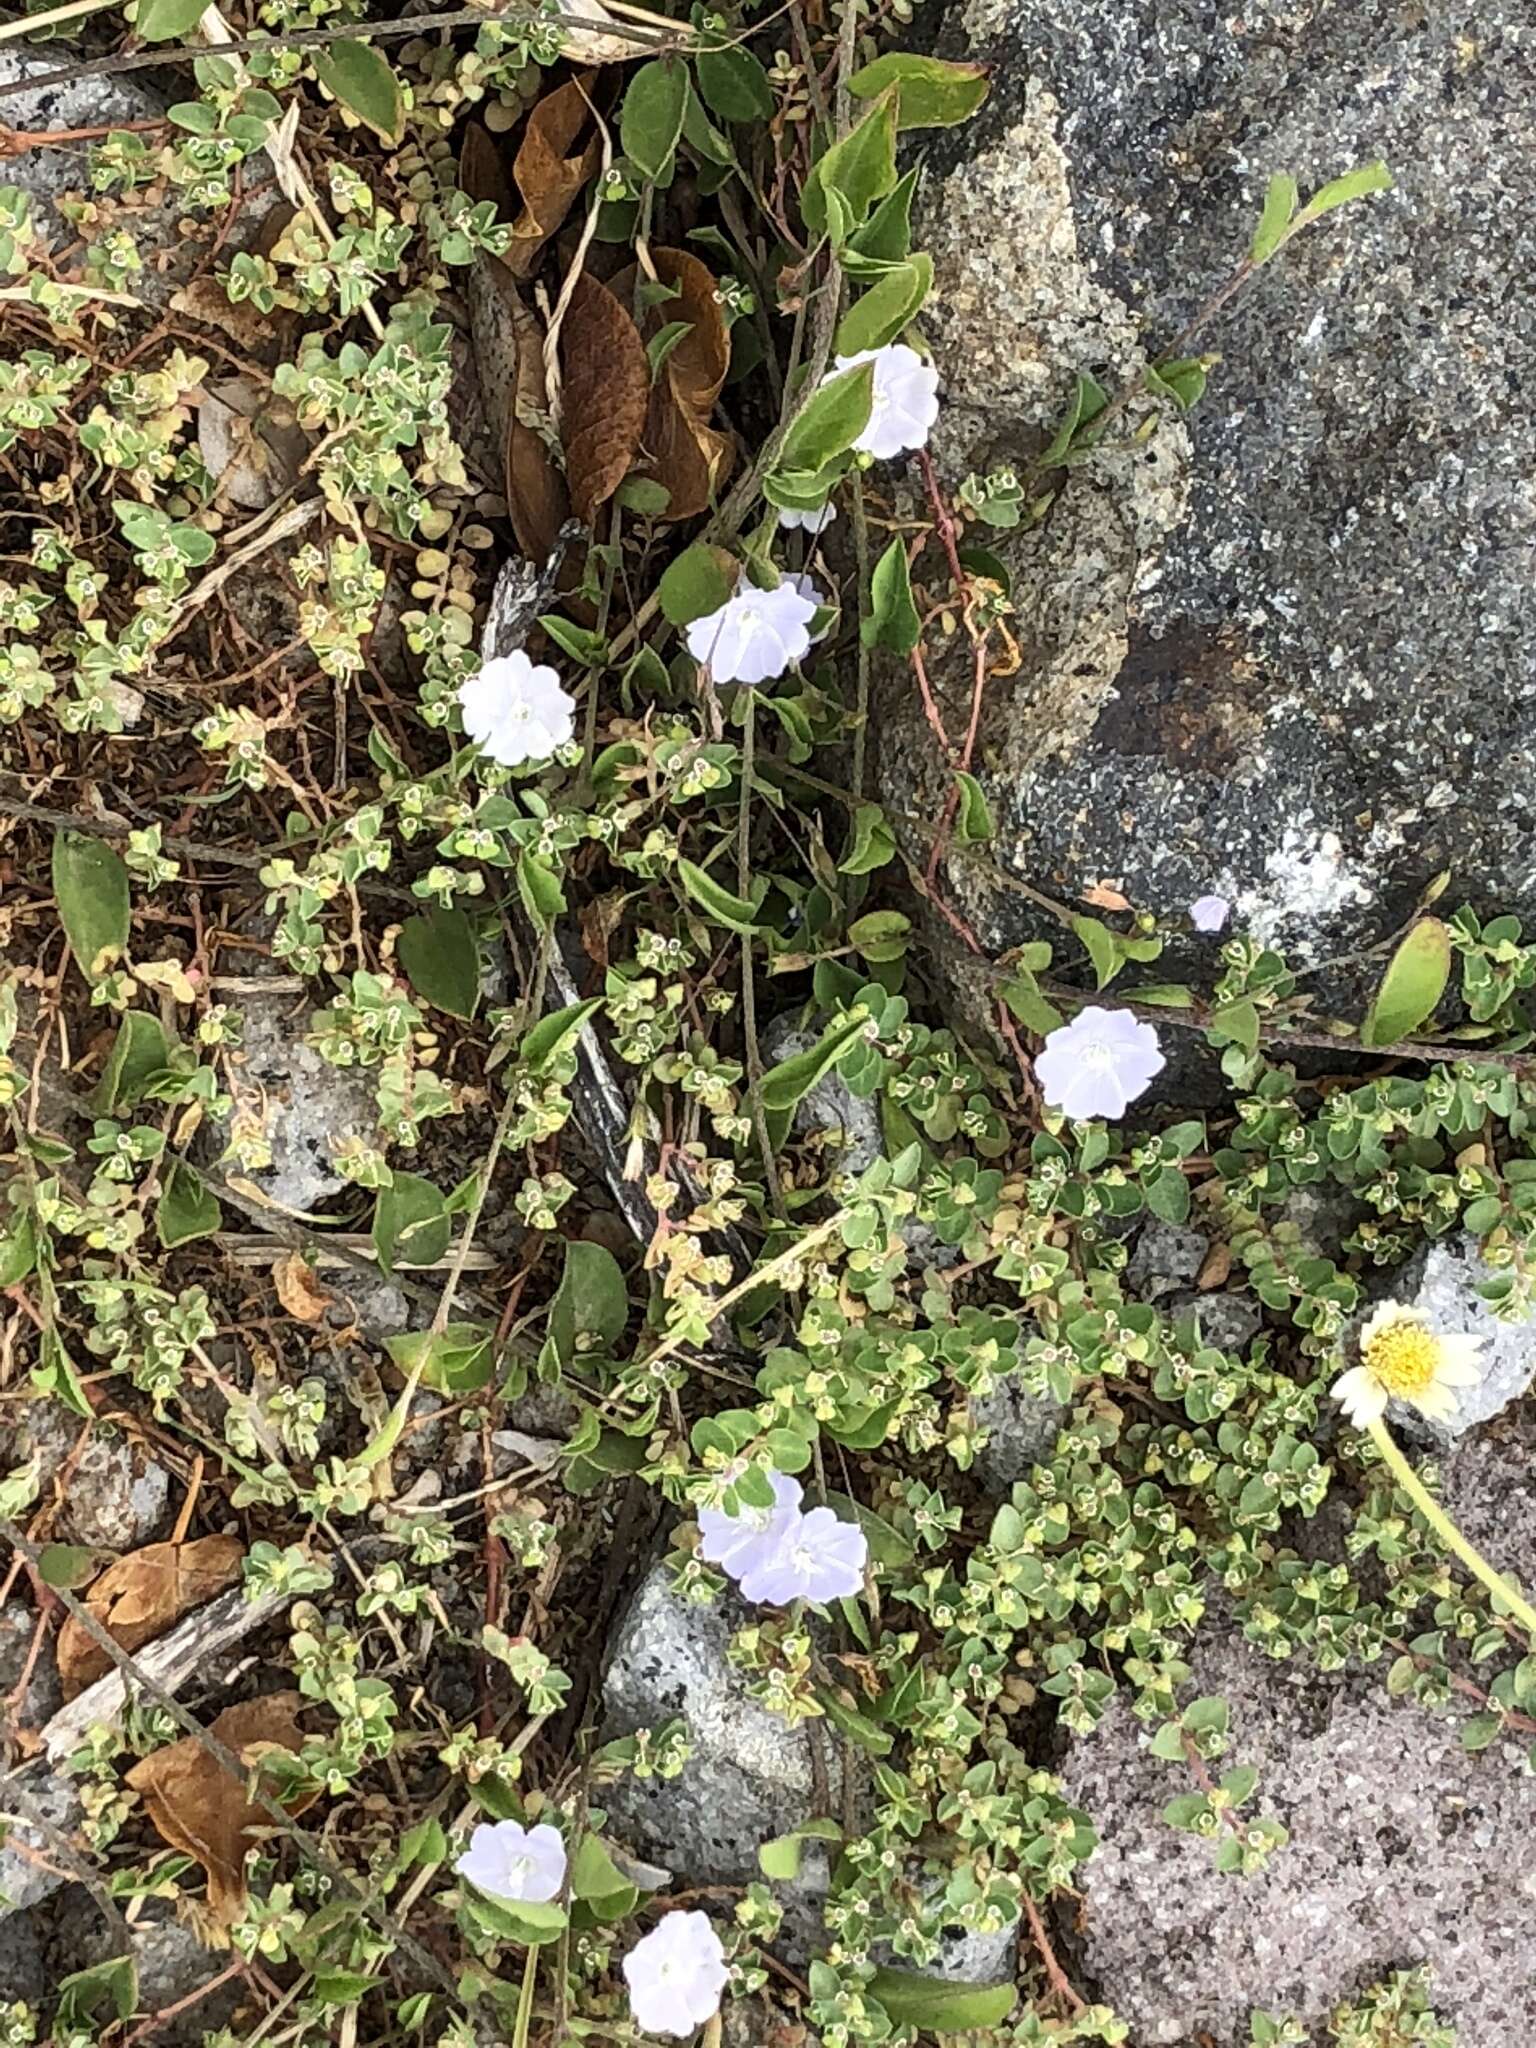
[(1361, 1395)]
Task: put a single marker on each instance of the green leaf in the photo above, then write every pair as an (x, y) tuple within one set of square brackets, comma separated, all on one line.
[(1183, 380), (724, 908), (881, 313), (18, 1248), (881, 935), (1088, 401), (936, 2006), (139, 1051), (364, 81), (342, 1987), (530, 1922), (831, 420), (1168, 1195), (1236, 1024), (595, 1877), (893, 620), (856, 171), (591, 1305), (1021, 992), (187, 1208), (663, 342), (90, 886), (792, 1079), (780, 1858), (1481, 1729), (1355, 184), (162, 21), (651, 120), (55, 1374), (82, 1994), (556, 1034), (873, 841), (441, 960), (1412, 985), (1103, 947), (973, 820), (886, 237), (411, 1224), (858, 1728), (733, 84), (539, 888), (696, 584), (457, 1359), (930, 93), (1279, 206), (67, 1564)]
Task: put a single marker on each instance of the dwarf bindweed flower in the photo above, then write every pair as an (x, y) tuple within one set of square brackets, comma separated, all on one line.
[(808, 587), (755, 634), (675, 1975), (1400, 1355), (1098, 1063), (734, 1542), (814, 1557), (906, 399), (506, 1861), (1209, 913), (517, 710), (815, 522)]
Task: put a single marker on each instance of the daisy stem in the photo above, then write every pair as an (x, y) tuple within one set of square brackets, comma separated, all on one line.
[(1447, 1530)]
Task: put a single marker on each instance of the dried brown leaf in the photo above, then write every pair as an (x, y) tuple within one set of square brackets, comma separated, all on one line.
[(1104, 898), (682, 451), (509, 355), (483, 169), (1217, 1267), (298, 1289), (143, 1595), (559, 152), (604, 390), (197, 1807)]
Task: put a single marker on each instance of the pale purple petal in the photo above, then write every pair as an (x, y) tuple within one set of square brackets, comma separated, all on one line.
[(730, 1541), (1098, 1064), (809, 588), (675, 1975), (754, 636), (818, 1557), (516, 710), (1209, 913), (508, 1861), (905, 399)]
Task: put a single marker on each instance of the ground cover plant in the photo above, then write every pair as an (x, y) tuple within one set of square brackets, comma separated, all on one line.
[(437, 638)]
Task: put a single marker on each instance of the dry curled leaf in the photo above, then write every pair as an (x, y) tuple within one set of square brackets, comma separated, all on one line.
[(604, 389), (141, 1596), (1102, 897), (509, 355), (558, 153), (682, 451), (197, 1807), (298, 1289), (599, 44), (483, 169)]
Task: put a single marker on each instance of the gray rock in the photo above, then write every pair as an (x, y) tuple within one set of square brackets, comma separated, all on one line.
[(759, 2023), (1404, 1848), (27, 1855), (23, 1972), (1314, 692), (1227, 1320), (173, 1964), (847, 1124), (965, 1958), (44, 1694), (1164, 1257), (307, 1104), (1021, 1432), (115, 1495), (751, 1775), (1441, 1281), (83, 103)]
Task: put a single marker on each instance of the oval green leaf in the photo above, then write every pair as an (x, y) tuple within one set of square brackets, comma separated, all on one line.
[(936, 2006), (442, 961), (652, 117), (365, 83), (162, 21), (1412, 985), (734, 912), (929, 92), (90, 885)]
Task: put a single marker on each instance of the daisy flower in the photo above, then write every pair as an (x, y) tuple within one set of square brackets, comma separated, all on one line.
[(1402, 1358)]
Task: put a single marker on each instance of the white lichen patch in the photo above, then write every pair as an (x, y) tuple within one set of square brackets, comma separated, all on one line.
[(1307, 883)]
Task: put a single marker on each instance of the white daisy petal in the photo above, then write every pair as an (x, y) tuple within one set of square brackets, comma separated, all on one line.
[(1360, 1395)]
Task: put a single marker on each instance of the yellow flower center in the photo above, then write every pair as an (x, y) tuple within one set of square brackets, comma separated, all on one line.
[(1404, 1357)]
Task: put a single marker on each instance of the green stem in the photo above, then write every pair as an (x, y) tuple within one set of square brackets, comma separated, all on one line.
[(1447, 1530), (525, 2000)]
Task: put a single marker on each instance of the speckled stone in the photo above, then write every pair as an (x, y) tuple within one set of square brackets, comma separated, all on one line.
[(308, 1106), (1311, 688), (115, 1495), (1404, 1848)]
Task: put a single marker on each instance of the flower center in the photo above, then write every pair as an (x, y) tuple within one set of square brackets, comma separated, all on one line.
[(1404, 1358), (1096, 1054)]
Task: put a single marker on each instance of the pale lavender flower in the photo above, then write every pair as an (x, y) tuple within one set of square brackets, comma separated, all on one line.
[(808, 587), (906, 399), (507, 1861), (814, 523), (755, 634), (734, 1542), (1209, 913), (675, 1975), (516, 710), (816, 1557), (1098, 1063)]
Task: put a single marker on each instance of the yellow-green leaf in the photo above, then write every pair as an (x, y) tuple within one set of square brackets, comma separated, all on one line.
[(930, 93), (1412, 985), (365, 83)]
